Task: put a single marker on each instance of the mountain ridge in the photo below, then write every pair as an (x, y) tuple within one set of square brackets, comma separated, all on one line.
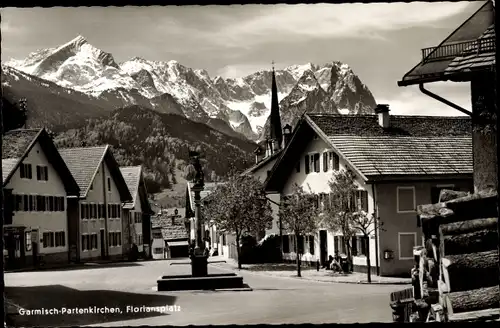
[(79, 66)]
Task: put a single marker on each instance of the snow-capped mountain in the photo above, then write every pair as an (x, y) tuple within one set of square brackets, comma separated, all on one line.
[(168, 86)]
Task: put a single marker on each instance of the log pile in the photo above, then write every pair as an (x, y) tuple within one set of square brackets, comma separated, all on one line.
[(456, 273)]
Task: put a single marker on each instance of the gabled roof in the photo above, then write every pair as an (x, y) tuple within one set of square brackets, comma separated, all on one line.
[(263, 162), (169, 231), (132, 176), (432, 69), (412, 146), (135, 183), (471, 58), (17, 144), (84, 163)]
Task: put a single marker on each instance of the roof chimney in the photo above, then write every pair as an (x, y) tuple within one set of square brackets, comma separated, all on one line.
[(382, 111)]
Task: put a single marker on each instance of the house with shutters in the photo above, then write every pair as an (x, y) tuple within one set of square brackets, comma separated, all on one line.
[(170, 235), (137, 229), (37, 188), (399, 162), (97, 231)]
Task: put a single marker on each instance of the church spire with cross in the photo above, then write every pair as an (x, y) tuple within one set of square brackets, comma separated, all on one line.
[(275, 132)]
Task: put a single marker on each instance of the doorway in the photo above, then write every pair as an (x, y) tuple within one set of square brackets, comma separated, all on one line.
[(323, 247), (103, 244)]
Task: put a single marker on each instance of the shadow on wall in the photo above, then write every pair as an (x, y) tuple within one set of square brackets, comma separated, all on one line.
[(58, 297)]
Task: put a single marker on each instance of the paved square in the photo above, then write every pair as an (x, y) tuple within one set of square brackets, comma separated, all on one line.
[(128, 290)]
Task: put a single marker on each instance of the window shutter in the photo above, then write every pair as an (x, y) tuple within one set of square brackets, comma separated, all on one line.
[(46, 172), (336, 243), (306, 163), (364, 200), (325, 162), (38, 173), (335, 162), (364, 245), (30, 176), (354, 245), (316, 162)]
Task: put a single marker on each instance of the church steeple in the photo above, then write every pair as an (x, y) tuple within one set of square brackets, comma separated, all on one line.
[(275, 132)]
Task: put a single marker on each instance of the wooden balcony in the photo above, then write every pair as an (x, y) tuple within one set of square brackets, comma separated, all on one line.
[(448, 51)]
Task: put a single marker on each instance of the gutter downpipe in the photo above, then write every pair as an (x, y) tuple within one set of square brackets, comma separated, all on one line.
[(375, 213), (444, 101)]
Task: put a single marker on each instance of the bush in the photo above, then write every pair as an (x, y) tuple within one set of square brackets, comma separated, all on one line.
[(268, 250), (247, 254)]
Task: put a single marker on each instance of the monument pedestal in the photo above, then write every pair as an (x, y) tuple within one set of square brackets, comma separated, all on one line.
[(199, 265)]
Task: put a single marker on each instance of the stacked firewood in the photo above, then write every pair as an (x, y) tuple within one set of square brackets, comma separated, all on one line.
[(456, 274)]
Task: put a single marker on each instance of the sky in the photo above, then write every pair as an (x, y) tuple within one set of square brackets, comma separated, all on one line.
[(380, 42)]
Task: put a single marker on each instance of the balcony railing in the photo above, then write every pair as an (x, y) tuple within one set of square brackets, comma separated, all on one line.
[(453, 50)]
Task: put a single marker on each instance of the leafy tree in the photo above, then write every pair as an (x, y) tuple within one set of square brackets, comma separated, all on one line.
[(239, 206), (299, 215), (14, 115)]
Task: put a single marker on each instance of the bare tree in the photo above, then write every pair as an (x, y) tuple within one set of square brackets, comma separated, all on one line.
[(346, 213)]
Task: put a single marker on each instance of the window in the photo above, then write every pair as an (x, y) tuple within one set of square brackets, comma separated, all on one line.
[(99, 211), (339, 242), (406, 199), (311, 245), (32, 205), (334, 161), (83, 209), (114, 239), (51, 203), (315, 158), (406, 241), (25, 171), (62, 204), (307, 168), (325, 162), (223, 239), (158, 250), (94, 210), (109, 184), (297, 167), (19, 203), (85, 242), (93, 241), (354, 246), (60, 237), (359, 245), (42, 173), (286, 244), (139, 240), (359, 201), (27, 240), (48, 239)]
